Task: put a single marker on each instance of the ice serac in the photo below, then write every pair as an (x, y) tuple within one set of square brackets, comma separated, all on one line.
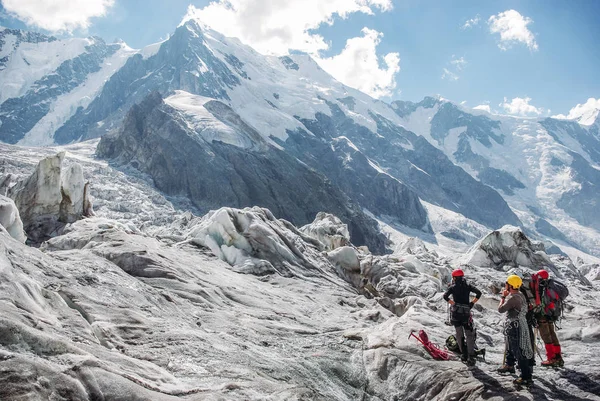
[(507, 246), (10, 219), (253, 241), (188, 156), (328, 230), (51, 197)]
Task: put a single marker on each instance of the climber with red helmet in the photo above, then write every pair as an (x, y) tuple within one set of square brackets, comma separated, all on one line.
[(461, 317), (544, 300)]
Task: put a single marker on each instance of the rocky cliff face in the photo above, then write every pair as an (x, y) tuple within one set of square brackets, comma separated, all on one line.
[(157, 140)]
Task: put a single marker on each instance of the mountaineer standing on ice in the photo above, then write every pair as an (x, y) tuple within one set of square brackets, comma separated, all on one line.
[(461, 317), (549, 295), (520, 350)]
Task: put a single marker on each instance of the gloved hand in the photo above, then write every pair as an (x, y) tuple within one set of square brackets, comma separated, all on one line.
[(471, 305)]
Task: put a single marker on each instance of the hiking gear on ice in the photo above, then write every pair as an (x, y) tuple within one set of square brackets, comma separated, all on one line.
[(458, 273), (550, 355), (558, 360), (554, 356), (452, 344), (435, 351), (460, 315), (471, 361), (514, 281), (506, 369), (523, 382), (543, 274), (549, 297)]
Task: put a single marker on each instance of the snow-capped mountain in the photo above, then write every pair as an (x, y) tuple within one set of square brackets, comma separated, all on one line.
[(547, 169), (413, 164), (43, 81)]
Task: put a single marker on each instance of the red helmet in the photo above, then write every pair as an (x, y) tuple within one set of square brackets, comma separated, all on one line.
[(543, 274), (458, 273)]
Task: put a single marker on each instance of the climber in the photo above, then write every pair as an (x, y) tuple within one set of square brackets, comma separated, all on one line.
[(461, 317), (517, 339), (548, 296)]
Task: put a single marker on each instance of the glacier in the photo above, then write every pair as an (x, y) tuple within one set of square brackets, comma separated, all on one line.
[(260, 231)]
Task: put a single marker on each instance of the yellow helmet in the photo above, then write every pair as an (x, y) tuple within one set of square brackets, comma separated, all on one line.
[(515, 281)]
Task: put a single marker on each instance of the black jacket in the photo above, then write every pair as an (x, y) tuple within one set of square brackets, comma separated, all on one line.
[(460, 292)]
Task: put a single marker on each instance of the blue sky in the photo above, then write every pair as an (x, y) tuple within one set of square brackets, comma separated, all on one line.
[(553, 61)]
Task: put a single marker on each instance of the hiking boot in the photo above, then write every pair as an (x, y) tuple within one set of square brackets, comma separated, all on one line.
[(558, 361), (523, 382), (506, 369), (471, 361), (548, 363)]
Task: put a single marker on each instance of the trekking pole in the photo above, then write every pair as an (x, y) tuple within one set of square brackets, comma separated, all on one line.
[(537, 342), (505, 351)]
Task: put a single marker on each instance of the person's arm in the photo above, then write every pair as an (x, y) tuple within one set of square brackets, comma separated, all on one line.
[(508, 302), (477, 296), (447, 294)]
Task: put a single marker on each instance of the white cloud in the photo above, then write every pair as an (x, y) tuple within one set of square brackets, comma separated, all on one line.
[(585, 113), (458, 63), (57, 15), (470, 23), (520, 106), (358, 65), (485, 107), (463, 102), (512, 27), (274, 27), (456, 66), (449, 75)]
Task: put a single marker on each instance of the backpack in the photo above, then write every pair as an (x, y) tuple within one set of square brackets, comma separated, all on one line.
[(552, 299)]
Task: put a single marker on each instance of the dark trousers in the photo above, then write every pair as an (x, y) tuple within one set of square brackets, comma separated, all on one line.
[(514, 351), (465, 336)]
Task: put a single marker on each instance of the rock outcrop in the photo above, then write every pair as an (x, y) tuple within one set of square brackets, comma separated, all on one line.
[(182, 159), (53, 196)]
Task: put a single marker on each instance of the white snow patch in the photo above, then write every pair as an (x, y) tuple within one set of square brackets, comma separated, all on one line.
[(65, 105), (30, 62)]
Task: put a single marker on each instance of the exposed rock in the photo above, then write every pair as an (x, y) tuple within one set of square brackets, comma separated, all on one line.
[(185, 160), (10, 219), (507, 246), (51, 197)]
